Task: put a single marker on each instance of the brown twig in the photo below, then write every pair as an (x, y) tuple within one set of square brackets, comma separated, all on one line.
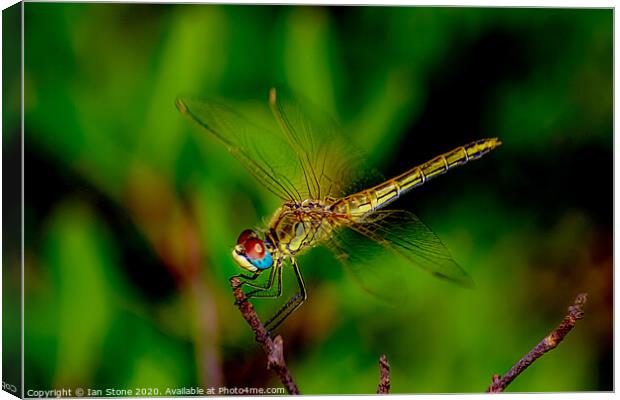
[(273, 348), (384, 382), (575, 312)]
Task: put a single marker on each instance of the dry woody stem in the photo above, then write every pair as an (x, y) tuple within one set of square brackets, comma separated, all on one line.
[(273, 348), (575, 313), (275, 353), (384, 382)]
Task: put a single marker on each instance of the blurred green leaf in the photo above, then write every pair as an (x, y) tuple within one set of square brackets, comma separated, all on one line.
[(78, 253)]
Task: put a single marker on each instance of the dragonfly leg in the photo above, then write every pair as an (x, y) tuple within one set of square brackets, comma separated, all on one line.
[(245, 278), (268, 292), (291, 305), (247, 281), (264, 290)]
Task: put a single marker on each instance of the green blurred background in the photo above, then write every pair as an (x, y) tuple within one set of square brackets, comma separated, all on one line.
[(131, 215)]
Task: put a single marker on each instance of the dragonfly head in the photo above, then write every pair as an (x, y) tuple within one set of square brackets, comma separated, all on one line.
[(251, 252)]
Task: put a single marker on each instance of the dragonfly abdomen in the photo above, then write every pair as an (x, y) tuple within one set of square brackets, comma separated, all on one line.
[(441, 164), (359, 204)]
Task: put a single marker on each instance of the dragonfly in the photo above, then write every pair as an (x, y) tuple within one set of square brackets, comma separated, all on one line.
[(302, 158)]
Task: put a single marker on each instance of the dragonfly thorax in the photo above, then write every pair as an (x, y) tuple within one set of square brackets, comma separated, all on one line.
[(296, 226)]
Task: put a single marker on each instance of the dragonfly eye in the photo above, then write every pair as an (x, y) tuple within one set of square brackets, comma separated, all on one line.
[(251, 252), (255, 248), (245, 235), (257, 254)]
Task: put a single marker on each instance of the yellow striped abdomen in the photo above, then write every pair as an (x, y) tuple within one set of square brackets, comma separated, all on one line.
[(359, 204)]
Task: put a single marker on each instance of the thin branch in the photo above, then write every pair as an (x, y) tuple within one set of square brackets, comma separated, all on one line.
[(575, 312), (384, 382), (273, 348)]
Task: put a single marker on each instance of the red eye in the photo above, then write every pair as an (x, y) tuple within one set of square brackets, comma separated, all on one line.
[(245, 235), (254, 248)]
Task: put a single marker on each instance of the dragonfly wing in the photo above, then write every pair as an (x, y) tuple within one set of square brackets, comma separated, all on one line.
[(296, 152), (360, 245), (365, 260), (260, 150), (403, 233), (329, 163)]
